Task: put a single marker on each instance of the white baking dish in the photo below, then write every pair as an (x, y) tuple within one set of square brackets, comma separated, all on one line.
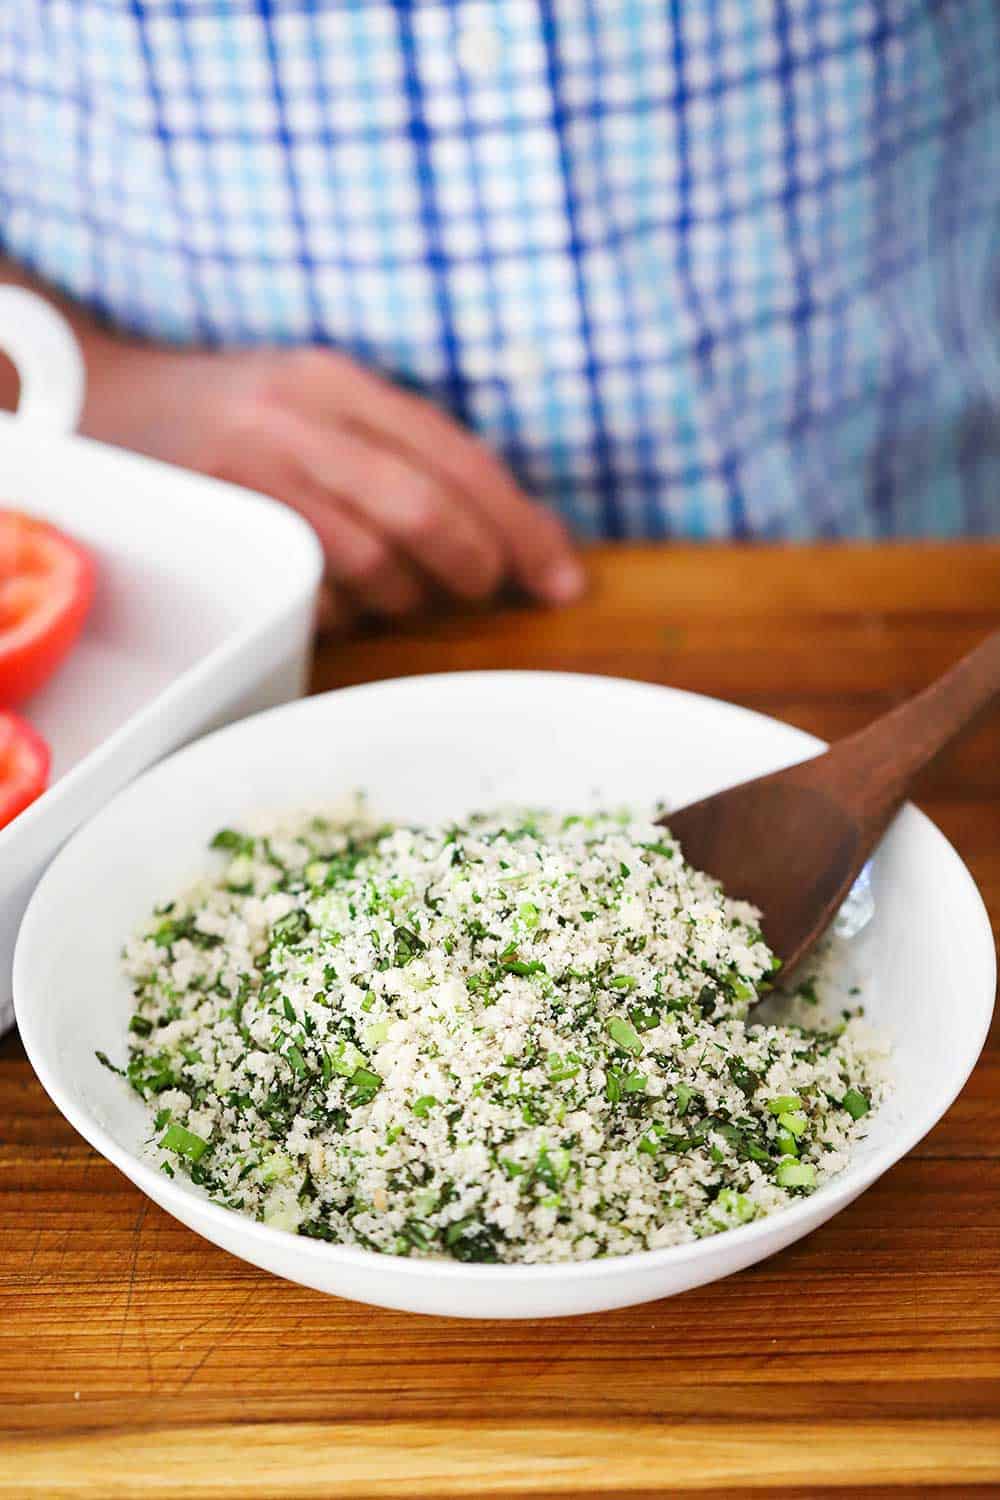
[(203, 610)]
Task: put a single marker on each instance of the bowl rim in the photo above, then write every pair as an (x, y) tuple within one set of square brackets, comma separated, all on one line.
[(854, 1179)]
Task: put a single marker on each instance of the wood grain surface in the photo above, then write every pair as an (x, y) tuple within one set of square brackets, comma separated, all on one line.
[(137, 1359)]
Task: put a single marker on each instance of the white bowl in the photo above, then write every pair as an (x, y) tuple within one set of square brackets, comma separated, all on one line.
[(436, 747), (203, 610)]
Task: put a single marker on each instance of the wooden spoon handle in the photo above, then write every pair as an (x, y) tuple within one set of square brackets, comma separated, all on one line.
[(875, 766)]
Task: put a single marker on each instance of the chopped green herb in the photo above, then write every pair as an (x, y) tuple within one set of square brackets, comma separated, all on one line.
[(292, 928), (684, 1094), (856, 1104), (235, 843), (363, 1086), (518, 966), (409, 945), (745, 1079)]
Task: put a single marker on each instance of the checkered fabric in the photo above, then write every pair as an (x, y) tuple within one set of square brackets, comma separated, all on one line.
[(696, 267)]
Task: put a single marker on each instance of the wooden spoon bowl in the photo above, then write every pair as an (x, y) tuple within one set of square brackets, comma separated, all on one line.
[(793, 842)]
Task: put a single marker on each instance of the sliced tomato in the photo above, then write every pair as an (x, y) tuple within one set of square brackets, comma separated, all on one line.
[(24, 766), (46, 585)]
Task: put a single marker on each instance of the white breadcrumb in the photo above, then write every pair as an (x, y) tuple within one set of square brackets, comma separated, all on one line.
[(522, 1038)]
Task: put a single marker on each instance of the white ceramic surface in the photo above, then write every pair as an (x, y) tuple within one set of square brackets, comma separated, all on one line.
[(203, 610), (437, 747)]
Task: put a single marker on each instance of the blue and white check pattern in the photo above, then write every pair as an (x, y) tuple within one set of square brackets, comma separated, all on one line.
[(696, 267)]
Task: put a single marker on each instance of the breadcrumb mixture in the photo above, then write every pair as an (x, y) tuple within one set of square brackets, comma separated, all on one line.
[(522, 1038)]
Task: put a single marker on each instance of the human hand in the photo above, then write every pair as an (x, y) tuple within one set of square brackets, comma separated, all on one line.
[(402, 498)]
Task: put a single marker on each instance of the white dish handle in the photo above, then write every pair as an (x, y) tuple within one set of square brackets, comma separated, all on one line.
[(48, 359)]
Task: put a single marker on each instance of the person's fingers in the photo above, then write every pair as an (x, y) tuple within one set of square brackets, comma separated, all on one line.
[(335, 611), (545, 560), (356, 555), (415, 509), (539, 548), (378, 578)]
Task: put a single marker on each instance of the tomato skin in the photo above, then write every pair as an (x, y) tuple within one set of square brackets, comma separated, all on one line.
[(46, 589), (25, 761)]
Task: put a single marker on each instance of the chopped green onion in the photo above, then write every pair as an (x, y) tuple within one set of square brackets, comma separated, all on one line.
[(422, 1107), (735, 1205), (783, 1103), (275, 1166), (792, 1174), (738, 988), (425, 1202), (553, 1165), (624, 1034), (345, 1059), (183, 1142)]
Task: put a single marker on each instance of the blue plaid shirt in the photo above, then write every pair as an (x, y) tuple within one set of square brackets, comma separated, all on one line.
[(695, 267)]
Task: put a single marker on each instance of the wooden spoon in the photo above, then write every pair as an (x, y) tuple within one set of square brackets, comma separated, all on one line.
[(794, 842)]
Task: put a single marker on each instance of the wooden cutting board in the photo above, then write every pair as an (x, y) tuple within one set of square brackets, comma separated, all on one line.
[(135, 1359)]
